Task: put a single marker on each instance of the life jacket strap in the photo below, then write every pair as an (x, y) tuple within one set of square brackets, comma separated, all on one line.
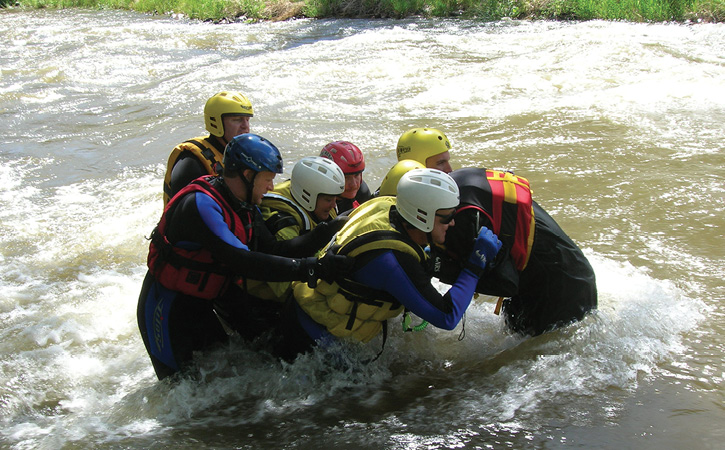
[(499, 304), (280, 221), (382, 346), (209, 155)]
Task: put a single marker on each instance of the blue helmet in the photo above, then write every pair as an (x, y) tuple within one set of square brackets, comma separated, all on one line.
[(249, 151)]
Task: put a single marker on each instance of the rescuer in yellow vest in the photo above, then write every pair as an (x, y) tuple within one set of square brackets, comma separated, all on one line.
[(428, 146), (226, 115), (391, 274), (297, 206), (542, 278)]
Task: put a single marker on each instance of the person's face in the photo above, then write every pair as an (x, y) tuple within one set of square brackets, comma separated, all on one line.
[(440, 161), (352, 185), (263, 183), (234, 126), (325, 204), (443, 220)]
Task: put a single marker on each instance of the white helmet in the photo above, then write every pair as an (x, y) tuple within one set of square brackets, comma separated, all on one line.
[(314, 175), (422, 192)]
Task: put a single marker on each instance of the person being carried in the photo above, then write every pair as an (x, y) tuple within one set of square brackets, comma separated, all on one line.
[(226, 114), (297, 206), (543, 279), (391, 274), (352, 162), (428, 146), (209, 241)]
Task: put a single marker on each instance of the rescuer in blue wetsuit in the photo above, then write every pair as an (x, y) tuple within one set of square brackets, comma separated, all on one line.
[(210, 239), (391, 274), (542, 277)]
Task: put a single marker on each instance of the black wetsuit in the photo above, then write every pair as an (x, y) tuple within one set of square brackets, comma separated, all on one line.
[(557, 286), (172, 324), (345, 205), (187, 169)]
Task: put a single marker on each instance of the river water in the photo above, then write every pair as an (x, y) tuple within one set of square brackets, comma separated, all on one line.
[(619, 127)]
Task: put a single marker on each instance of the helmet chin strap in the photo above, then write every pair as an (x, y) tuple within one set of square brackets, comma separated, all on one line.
[(409, 226), (249, 184)]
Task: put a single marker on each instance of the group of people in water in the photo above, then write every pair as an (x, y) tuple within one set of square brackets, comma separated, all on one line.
[(320, 257)]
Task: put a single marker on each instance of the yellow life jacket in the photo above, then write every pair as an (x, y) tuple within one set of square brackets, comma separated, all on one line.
[(286, 219), (209, 152), (346, 307), (283, 215)]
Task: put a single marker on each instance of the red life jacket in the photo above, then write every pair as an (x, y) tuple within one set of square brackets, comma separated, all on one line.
[(511, 213), (193, 272)]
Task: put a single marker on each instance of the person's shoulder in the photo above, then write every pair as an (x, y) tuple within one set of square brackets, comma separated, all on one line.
[(192, 144), (283, 222), (185, 169), (344, 205), (363, 194)]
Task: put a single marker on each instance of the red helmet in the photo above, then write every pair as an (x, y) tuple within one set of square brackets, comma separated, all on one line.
[(346, 155)]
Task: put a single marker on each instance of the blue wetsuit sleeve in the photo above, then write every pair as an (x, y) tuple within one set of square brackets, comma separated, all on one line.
[(198, 222), (213, 217), (403, 277)]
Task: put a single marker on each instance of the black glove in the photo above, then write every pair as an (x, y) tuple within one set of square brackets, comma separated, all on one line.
[(336, 224), (328, 268), (324, 231)]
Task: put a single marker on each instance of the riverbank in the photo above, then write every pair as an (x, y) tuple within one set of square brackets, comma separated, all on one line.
[(255, 10)]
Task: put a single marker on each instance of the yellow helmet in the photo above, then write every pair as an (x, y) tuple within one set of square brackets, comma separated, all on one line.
[(390, 182), (420, 144), (222, 104)]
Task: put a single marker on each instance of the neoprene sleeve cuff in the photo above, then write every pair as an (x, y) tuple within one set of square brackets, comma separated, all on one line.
[(473, 269)]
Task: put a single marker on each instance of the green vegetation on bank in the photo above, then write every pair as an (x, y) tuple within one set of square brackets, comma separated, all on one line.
[(220, 10)]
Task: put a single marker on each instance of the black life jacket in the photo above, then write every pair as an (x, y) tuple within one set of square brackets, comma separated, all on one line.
[(502, 202)]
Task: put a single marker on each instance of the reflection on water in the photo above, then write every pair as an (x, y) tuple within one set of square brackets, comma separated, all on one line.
[(616, 126)]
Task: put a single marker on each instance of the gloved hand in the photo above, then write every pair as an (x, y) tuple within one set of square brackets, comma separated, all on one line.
[(328, 268), (324, 231), (484, 251), (336, 224)]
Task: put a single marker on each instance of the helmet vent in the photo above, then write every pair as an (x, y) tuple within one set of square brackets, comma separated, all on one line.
[(422, 216), (306, 195), (422, 192)]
